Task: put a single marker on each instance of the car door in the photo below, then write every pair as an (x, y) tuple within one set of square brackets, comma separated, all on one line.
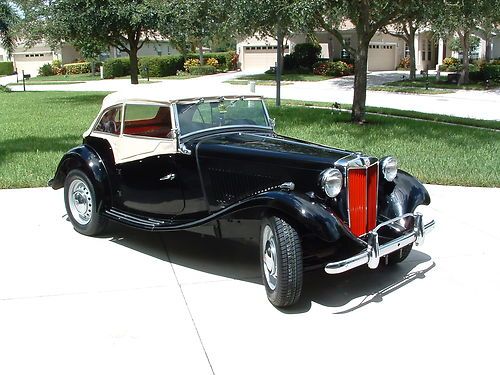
[(145, 156)]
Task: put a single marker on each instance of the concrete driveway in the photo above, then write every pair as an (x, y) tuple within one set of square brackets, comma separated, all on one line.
[(462, 103), (141, 303)]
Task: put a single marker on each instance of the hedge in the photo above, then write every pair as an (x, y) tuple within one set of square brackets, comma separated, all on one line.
[(118, 67), (78, 68), (160, 66), (202, 70), (6, 68)]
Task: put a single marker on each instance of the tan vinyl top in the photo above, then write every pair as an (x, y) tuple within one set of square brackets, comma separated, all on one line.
[(162, 94)]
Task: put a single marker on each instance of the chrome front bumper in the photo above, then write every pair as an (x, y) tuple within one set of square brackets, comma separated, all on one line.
[(373, 252)]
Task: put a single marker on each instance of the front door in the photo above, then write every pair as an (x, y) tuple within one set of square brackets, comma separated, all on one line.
[(145, 163)]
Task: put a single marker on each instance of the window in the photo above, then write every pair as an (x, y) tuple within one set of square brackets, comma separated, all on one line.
[(110, 121), (212, 114), (148, 121)]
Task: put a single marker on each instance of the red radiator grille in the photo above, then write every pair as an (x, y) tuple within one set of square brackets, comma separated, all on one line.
[(363, 184)]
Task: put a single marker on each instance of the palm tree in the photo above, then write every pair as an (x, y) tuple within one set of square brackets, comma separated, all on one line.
[(8, 18)]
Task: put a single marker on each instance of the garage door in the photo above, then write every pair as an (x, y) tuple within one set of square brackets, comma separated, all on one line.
[(381, 57), (31, 62), (259, 58)]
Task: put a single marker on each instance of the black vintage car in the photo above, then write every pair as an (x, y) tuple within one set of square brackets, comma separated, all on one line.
[(213, 164)]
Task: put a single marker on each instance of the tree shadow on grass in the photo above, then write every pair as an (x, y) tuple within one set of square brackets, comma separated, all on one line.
[(27, 145)]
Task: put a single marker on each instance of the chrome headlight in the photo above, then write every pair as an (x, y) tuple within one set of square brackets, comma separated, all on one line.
[(389, 168), (331, 182)]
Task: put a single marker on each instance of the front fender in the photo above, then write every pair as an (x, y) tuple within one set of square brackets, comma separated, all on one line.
[(87, 159), (312, 216), (402, 195)]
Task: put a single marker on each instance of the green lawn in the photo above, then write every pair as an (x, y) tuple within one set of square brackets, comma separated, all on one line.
[(439, 84), (410, 90), (67, 78), (287, 77), (38, 127), (258, 83), (402, 113)]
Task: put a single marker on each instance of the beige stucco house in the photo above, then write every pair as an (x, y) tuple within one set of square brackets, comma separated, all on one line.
[(384, 53)]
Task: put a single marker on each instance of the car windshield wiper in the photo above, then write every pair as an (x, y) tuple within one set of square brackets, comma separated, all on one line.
[(191, 106)]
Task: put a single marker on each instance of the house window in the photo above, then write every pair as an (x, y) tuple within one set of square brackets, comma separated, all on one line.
[(429, 50)]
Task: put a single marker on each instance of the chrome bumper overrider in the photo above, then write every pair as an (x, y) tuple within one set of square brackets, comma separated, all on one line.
[(373, 252)]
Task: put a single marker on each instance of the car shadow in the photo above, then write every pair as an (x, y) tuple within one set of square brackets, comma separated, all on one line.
[(239, 260)]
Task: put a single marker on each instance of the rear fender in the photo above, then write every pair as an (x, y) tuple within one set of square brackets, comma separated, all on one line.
[(85, 158)]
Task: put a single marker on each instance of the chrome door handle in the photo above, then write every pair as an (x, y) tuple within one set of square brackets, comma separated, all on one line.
[(168, 177)]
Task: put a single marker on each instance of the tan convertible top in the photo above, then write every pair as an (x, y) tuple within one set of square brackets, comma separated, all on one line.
[(160, 93)]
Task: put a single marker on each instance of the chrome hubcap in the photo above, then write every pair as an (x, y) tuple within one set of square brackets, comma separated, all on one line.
[(80, 201), (269, 257)]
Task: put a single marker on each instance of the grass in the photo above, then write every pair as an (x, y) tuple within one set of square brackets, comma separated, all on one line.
[(402, 113), (66, 78), (40, 83), (287, 77), (410, 90), (37, 128), (435, 153), (258, 83), (439, 84)]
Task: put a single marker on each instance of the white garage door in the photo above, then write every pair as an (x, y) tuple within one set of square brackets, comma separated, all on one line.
[(381, 57), (259, 58), (31, 62)]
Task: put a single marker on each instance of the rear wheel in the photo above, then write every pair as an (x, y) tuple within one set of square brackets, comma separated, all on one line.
[(281, 261), (82, 204)]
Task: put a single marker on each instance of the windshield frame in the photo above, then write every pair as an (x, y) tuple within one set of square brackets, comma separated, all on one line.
[(196, 101)]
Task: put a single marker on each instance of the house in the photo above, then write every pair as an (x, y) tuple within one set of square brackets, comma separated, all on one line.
[(30, 59), (385, 51)]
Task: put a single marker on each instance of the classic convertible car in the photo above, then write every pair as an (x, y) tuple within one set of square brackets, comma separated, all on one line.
[(214, 165)]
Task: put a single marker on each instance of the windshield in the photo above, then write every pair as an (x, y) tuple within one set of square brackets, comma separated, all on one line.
[(204, 115)]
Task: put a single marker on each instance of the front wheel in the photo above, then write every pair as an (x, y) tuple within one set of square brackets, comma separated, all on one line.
[(82, 204), (281, 261), (400, 255)]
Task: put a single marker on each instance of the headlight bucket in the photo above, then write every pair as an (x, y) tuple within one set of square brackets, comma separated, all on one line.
[(389, 168), (331, 182)]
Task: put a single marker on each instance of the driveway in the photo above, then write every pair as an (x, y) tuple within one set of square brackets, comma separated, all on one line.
[(463, 103), (140, 303)]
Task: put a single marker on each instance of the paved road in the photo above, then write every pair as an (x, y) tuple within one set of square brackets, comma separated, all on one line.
[(463, 103), (141, 303)]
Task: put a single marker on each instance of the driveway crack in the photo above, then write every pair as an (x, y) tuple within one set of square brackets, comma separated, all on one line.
[(187, 305)]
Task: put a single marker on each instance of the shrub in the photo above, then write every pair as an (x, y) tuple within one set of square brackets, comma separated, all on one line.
[(4, 89), (202, 70), (160, 66), (450, 61), (118, 67), (46, 70), (306, 54), (191, 63), (78, 68), (6, 68), (227, 60), (491, 71), (404, 63), (332, 68), (289, 62), (212, 62)]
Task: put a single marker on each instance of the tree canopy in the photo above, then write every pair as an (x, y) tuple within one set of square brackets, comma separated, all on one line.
[(8, 19)]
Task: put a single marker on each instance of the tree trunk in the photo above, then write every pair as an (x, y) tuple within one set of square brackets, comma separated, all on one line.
[(464, 39), (487, 53), (360, 76), (413, 57), (134, 64), (279, 66), (200, 51)]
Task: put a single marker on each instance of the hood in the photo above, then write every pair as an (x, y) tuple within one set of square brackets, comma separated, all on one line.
[(234, 166), (269, 148)]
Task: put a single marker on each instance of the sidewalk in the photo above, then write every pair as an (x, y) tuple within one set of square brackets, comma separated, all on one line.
[(143, 303)]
